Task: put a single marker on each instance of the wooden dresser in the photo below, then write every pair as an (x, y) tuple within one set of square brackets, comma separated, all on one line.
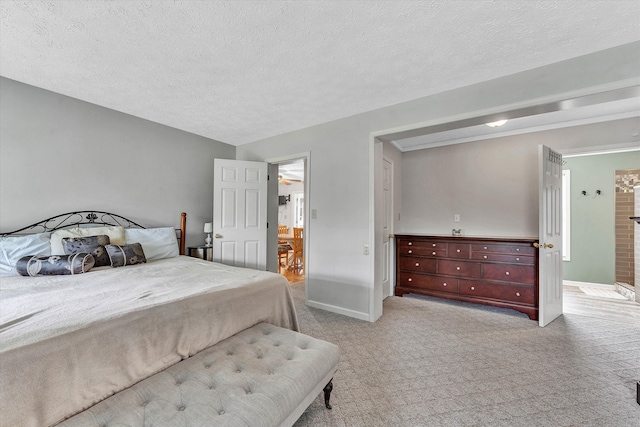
[(501, 272)]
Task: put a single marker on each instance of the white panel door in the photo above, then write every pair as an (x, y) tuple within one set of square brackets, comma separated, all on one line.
[(387, 249), (550, 235), (240, 213)]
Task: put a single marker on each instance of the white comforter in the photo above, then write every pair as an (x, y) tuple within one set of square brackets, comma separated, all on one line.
[(67, 342)]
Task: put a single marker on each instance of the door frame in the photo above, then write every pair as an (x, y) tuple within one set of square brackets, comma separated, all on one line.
[(273, 243)]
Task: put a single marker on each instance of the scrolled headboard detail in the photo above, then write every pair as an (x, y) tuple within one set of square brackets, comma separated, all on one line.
[(72, 219)]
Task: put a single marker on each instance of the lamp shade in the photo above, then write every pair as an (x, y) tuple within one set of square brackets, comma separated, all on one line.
[(208, 227)]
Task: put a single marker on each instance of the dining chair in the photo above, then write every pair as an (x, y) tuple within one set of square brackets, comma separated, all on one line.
[(283, 230), (298, 255), (283, 255)]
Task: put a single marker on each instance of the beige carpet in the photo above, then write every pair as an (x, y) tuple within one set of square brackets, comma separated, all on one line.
[(428, 362)]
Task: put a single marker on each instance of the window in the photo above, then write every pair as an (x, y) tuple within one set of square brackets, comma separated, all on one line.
[(298, 209), (566, 215)]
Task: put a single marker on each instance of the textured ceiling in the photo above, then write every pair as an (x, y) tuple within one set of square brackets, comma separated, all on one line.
[(246, 70)]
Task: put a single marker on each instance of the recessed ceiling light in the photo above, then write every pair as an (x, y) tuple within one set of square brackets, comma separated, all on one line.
[(496, 124)]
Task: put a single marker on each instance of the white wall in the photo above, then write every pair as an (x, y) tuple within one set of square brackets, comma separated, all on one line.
[(341, 277), (59, 154)]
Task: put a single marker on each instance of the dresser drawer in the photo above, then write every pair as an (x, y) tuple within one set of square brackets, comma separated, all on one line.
[(424, 265), (503, 249), (513, 259), (422, 251), (425, 281), (522, 294), (510, 273), (459, 268), (459, 250), (432, 244)]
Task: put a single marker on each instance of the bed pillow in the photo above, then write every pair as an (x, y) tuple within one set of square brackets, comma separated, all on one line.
[(157, 243), (94, 245), (126, 254), (12, 248), (115, 233), (55, 264)]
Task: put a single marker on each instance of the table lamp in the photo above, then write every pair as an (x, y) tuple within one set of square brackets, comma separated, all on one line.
[(208, 228)]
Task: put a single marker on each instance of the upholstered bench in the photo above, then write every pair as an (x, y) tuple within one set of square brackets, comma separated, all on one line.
[(262, 376)]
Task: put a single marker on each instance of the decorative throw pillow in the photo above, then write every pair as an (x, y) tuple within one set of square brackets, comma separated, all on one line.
[(55, 264), (126, 254), (157, 243), (12, 248), (115, 233), (94, 245)]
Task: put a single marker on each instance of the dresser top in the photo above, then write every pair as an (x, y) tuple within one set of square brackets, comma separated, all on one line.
[(450, 238)]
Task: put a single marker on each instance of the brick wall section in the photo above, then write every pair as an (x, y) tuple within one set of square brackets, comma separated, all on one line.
[(624, 202)]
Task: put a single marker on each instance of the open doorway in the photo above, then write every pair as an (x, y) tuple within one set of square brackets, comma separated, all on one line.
[(600, 258), (291, 220)]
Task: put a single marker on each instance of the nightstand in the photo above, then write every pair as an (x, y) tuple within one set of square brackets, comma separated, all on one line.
[(202, 252)]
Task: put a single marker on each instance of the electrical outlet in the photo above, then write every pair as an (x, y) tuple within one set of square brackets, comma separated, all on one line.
[(314, 214), (365, 249), (456, 218)]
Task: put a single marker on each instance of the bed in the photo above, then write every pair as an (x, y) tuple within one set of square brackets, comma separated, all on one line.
[(70, 341)]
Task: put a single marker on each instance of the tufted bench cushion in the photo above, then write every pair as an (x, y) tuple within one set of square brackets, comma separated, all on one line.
[(262, 376)]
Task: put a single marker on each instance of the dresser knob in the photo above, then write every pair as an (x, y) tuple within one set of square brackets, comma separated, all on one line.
[(517, 259), (517, 249), (434, 245), (410, 244), (417, 264), (458, 251), (458, 268), (485, 248), (410, 251), (444, 284), (433, 253), (517, 294), (485, 257), (473, 288), (507, 273), (409, 279)]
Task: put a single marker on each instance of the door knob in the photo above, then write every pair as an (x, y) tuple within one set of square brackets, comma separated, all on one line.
[(218, 236), (545, 245)]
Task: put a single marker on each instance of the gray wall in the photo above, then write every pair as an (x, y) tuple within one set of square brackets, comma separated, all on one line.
[(59, 154), (492, 184), (593, 217)]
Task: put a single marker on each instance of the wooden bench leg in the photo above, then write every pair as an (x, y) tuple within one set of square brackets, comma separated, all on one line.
[(327, 393)]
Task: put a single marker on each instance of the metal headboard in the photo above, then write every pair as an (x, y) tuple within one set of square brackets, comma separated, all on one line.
[(71, 219)]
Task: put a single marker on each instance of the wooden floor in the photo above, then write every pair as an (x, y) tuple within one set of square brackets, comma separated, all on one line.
[(293, 276), (596, 302)]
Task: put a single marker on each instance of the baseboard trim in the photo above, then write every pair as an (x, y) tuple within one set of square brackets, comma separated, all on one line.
[(588, 284), (339, 310)]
